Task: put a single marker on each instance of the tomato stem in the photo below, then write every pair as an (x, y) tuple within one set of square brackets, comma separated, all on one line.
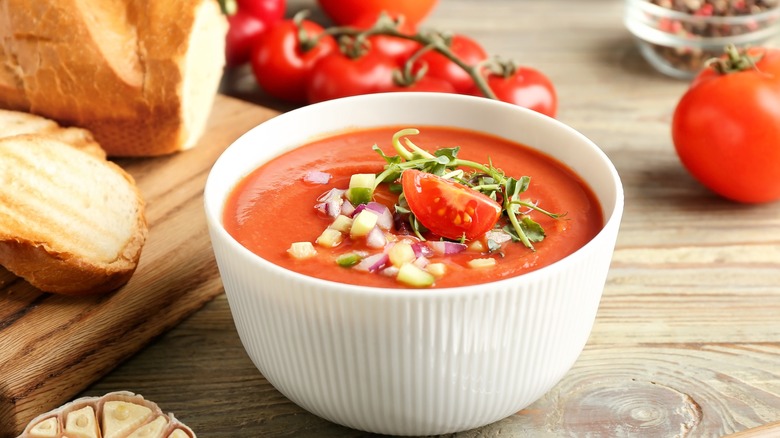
[(228, 7), (432, 40), (735, 60)]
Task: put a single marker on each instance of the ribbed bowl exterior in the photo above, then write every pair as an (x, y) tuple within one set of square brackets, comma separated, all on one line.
[(407, 361)]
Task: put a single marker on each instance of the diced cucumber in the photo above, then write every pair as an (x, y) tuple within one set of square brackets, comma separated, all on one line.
[(302, 250), (477, 246), (361, 188), (363, 223), (330, 238), (488, 262), (437, 269), (413, 276), (349, 259), (401, 253), (342, 223)]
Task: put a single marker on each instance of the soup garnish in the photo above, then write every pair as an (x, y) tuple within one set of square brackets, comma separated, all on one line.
[(431, 204)]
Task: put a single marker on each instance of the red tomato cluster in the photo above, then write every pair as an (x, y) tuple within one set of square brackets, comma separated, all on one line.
[(297, 60)]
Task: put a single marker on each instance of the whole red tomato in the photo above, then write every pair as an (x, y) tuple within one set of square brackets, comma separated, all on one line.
[(338, 75), (281, 62), (251, 19), (347, 12), (268, 11), (244, 29), (726, 128), (467, 50), (523, 86), (394, 47)]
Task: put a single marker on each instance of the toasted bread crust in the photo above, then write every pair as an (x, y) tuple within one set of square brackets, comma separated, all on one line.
[(129, 71), (36, 242)]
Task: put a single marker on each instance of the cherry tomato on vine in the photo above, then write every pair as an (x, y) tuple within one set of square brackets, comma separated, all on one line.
[(268, 11), (526, 87), (468, 50), (244, 29), (726, 127), (251, 19), (281, 62), (393, 47), (347, 12), (447, 208), (338, 75)]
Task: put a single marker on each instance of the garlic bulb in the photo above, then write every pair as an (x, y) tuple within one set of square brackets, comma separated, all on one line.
[(114, 415)]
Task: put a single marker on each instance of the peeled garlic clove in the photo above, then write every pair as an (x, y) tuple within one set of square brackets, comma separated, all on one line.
[(48, 428), (82, 423), (152, 429), (121, 418), (114, 415)]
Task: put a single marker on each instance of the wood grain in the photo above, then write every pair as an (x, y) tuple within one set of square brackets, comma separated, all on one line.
[(687, 339), (52, 347)]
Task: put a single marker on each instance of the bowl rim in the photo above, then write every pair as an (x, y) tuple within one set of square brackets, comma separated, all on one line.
[(612, 217)]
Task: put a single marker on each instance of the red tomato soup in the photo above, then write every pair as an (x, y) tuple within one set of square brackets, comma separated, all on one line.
[(274, 206)]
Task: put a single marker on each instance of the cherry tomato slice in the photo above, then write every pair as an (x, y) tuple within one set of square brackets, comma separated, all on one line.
[(447, 208)]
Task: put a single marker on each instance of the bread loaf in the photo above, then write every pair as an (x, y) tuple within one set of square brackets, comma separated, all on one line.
[(71, 222), (141, 75)]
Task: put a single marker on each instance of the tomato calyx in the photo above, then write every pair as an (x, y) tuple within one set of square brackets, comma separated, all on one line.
[(735, 60), (505, 68), (306, 42)]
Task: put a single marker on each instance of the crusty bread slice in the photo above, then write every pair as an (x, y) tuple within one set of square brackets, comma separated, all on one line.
[(71, 222), (141, 75), (20, 123)]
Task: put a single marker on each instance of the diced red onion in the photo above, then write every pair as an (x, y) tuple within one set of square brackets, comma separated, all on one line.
[(385, 220), (358, 209), (421, 250), (421, 262), (331, 194), (390, 271), (376, 238), (446, 248), (347, 209), (373, 262), (317, 177), (330, 202)]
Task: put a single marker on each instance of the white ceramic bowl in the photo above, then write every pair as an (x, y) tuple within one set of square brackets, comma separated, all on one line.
[(403, 361)]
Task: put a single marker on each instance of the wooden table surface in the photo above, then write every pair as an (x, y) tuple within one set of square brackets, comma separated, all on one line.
[(687, 338)]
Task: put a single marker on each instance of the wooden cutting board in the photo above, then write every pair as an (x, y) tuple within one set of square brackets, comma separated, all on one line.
[(52, 347)]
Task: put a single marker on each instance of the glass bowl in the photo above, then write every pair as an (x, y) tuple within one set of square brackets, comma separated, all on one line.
[(677, 37)]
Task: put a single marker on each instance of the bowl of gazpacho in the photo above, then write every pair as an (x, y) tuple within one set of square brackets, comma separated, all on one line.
[(413, 263)]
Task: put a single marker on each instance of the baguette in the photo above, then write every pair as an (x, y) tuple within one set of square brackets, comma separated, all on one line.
[(140, 75), (71, 222)]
